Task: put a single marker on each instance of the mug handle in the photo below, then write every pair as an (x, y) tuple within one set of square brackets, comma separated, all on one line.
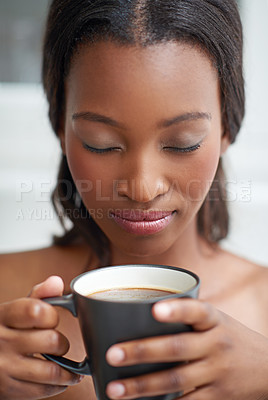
[(81, 368)]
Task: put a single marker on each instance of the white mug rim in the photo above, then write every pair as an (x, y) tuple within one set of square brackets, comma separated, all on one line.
[(110, 269)]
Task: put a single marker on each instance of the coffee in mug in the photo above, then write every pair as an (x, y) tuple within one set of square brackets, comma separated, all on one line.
[(131, 294)]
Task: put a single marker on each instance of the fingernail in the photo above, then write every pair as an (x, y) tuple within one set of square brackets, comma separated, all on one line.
[(163, 310), (116, 390), (115, 355)]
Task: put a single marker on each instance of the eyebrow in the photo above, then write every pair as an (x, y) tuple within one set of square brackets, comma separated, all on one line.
[(190, 116), (165, 123), (94, 117)]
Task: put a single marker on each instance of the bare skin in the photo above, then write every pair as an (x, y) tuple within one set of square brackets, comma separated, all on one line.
[(159, 108)]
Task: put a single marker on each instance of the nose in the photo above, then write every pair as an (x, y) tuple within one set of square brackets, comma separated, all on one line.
[(143, 179)]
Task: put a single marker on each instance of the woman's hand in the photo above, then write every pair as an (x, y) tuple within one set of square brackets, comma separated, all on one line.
[(225, 360), (27, 327)]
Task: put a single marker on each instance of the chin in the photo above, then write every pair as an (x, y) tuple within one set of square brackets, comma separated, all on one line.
[(143, 248)]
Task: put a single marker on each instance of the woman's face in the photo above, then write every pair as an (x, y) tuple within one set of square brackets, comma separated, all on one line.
[(143, 137)]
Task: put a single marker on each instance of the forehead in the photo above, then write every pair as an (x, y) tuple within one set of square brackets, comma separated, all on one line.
[(166, 71), (166, 56)]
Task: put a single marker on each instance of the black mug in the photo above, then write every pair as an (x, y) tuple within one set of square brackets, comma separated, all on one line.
[(104, 322)]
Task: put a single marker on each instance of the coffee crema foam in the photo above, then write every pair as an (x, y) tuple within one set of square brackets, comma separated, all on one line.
[(131, 294)]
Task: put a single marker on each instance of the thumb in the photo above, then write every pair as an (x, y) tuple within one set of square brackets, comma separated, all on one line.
[(51, 287)]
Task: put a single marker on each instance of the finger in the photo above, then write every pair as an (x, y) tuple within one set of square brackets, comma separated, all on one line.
[(173, 380), (179, 347), (29, 313), (51, 287), (37, 341), (200, 315), (19, 390), (35, 370)]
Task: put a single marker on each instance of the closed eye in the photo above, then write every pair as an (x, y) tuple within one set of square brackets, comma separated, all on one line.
[(183, 149), (100, 150)]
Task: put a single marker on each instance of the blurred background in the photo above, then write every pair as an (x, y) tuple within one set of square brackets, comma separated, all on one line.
[(29, 151)]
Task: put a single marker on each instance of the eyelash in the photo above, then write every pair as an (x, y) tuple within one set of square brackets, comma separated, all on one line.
[(189, 149), (99, 151)]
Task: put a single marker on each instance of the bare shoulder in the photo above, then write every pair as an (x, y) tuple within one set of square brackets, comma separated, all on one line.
[(243, 267), (253, 278), (20, 271), (239, 288)]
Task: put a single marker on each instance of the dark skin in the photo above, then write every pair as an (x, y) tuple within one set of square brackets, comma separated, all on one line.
[(139, 89)]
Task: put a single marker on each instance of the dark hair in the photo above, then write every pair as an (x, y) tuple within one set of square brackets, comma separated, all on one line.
[(212, 25)]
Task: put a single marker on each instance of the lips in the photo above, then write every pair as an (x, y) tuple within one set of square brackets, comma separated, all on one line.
[(140, 222)]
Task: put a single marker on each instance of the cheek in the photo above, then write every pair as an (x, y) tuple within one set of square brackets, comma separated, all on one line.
[(193, 178), (92, 176), (201, 177)]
